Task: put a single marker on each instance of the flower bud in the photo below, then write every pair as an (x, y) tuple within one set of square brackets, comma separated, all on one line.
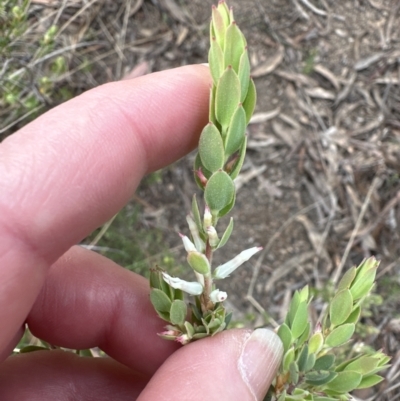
[(183, 339), (212, 236), (189, 246), (218, 296), (192, 288), (200, 245), (207, 220), (227, 268)]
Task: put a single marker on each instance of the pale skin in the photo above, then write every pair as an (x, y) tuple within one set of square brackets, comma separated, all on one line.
[(61, 177)]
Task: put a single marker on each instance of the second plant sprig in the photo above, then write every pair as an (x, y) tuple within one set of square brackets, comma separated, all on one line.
[(222, 148)]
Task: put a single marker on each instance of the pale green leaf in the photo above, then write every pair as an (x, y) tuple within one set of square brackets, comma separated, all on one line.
[(341, 307), (227, 97), (219, 26), (239, 163), (369, 381), (316, 342), (178, 312), (364, 365), (234, 46), (236, 132), (160, 300), (345, 381), (216, 60), (354, 316), (340, 335), (219, 192), (198, 262), (300, 320), (196, 214), (244, 75), (288, 358), (211, 148), (249, 103), (225, 237), (285, 335), (363, 284), (347, 279)]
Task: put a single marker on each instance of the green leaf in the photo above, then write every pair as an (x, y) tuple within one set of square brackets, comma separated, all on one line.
[(324, 362), (196, 214), (218, 25), (347, 279), (302, 359), (364, 365), (285, 335), (369, 381), (244, 74), (160, 301), (363, 284), (300, 320), (239, 163), (211, 115), (227, 208), (294, 304), (340, 335), (294, 372), (234, 46), (236, 132), (345, 381), (310, 362), (224, 10), (319, 378), (219, 191), (198, 262), (305, 336), (227, 97), (178, 312), (341, 307), (211, 148), (354, 316), (189, 329), (216, 60), (225, 237), (288, 358), (249, 103), (316, 342)]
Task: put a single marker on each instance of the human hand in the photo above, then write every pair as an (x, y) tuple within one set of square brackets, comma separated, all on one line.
[(61, 177)]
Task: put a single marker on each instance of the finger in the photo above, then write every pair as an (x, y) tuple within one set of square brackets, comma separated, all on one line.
[(88, 301), (73, 168), (58, 375), (235, 365)]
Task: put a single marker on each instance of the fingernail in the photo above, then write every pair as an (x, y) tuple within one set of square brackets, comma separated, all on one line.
[(260, 360)]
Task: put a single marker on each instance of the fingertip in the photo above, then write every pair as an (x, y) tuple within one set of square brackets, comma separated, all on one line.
[(233, 365)]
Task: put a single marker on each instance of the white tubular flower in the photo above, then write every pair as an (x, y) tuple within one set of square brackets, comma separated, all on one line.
[(218, 296), (227, 268), (207, 220), (212, 236), (189, 246), (199, 243), (192, 288)]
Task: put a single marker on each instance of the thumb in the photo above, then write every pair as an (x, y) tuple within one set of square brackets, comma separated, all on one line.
[(235, 365)]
